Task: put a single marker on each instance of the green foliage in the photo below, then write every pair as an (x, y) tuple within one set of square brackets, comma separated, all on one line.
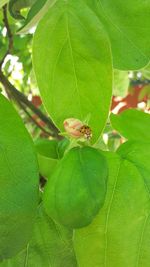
[(75, 74), (16, 5), (146, 72), (121, 83), (82, 53), (48, 148), (3, 2), (62, 146), (36, 12), (76, 190), (119, 235), (50, 245), (47, 156), (18, 182), (145, 92), (128, 26), (132, 124), (138, 153)]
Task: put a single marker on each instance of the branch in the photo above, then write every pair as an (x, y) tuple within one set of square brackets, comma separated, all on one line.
[(21, 98), (35, 122), (9, 34)]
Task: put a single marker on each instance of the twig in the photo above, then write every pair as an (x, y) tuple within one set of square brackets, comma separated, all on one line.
[(20, 97), (9, 34), (35, 122)]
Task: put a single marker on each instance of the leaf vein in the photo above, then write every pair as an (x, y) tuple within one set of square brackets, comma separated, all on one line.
[(107, 216), (73, 63)]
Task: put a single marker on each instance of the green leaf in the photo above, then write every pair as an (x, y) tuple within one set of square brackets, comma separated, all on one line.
[(73, 71), (47, 156), (62, 146), (76, 191), (18, 182), (128, 26), (36, 12), (132, 124), (121, 83), (51, 245), (47, 148), (16, 5), (120, 234), (138, 152), (146, 72), (3, 2), (144, 93)]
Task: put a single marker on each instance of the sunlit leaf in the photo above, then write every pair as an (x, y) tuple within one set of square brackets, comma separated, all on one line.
[(73, 71), (121, 83), (128, 26), (132, 124)]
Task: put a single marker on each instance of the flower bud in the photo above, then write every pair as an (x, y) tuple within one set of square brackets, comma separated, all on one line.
[(72, 127), (77, 129)]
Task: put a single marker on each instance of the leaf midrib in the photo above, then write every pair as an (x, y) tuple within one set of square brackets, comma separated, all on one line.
[(107, 216), (73, 64)]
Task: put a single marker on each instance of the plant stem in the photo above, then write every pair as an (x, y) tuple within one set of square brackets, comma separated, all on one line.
[(9, 34), (20, 97)]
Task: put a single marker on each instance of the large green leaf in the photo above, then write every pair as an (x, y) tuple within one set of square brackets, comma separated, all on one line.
[(72, 62), (36, 12), (139, 154), (129, 33), (18, 182), (132, 124), (128, 26), (51, 245), (76, 190), (120, 234)]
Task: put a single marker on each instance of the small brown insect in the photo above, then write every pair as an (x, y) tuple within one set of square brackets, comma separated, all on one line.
[(86, 131)]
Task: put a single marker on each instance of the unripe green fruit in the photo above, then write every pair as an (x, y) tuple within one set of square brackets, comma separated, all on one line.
[(76, 190)]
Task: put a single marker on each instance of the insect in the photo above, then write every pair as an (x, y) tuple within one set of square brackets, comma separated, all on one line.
[(86, 131)]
